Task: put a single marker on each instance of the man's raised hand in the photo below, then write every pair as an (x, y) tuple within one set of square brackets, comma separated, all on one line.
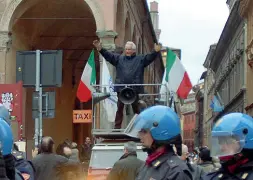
[(158, 47), (97, 44)]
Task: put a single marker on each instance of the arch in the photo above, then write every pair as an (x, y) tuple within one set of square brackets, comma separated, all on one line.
[(134, 38), (73, 37), (119, 25), (139, 46), (127, 36), (8, 18)]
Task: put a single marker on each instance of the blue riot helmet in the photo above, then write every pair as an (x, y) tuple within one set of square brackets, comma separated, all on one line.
[(4, 114), (231, 134), (162, 123), (6, 137)]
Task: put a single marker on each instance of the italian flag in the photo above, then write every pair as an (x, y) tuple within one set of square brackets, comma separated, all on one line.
[(84, 91), (176, 76)]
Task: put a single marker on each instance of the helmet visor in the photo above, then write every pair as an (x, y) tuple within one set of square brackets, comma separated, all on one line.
[(226, 144), (137, 125)]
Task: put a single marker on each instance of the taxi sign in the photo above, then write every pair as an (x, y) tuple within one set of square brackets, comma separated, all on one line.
[(82, 116)]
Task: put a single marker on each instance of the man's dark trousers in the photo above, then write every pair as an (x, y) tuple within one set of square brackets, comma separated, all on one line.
[(119, 113)]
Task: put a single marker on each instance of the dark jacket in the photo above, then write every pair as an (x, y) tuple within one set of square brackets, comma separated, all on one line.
[(86, 152), (75, 155), (129, 69), (23, 165), (10, 166), (208, 166), (126, 168), (167, 167), (196, 171), (3, 175), (244, 172), (50, 166)]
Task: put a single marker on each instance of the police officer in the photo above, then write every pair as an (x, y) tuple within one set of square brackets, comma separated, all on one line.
[(232, 142), (6, 142), (158, 128), (18, 165)]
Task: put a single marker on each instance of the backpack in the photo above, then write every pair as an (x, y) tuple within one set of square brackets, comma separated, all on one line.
[(25, 167)]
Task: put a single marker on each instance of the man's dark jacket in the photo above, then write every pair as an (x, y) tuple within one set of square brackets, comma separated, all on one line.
[(129, 69), (7, 168), (3, 174), (126, 168), (52, 166)]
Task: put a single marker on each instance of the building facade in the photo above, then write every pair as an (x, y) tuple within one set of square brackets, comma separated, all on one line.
[(199, 115), (209, 83), (225, 65), (71, 26), (188, 117), (246, 11)]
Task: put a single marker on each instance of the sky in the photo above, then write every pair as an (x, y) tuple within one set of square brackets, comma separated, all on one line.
[(192, 26)]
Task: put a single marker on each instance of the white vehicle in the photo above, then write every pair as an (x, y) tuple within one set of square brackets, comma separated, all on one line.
[(104, 156)]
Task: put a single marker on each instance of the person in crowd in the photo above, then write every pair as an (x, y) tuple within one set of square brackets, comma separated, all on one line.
[(129, 70), (196, 171), (232, 142), (16, 150), (158, 128), (17, 167), (75, 152), (195, 155), (24, 166), (35, 152), (63, 149), (7, 161), (5, 114), (206, 161), (3, 174), (128, 166), (49, 165), (86, 149), (67, 142)]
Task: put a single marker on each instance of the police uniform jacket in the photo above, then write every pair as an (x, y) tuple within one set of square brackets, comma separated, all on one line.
[(244, 172), (166, 167)]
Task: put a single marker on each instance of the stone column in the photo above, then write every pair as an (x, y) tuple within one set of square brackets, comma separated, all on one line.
[(5, 41), (108, 42)]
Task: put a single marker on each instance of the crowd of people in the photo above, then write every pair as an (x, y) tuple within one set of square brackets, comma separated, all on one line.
[(66, 163), (230, 156), (158, 128)]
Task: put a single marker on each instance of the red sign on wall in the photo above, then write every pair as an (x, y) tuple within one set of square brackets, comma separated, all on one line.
[(11, 98)]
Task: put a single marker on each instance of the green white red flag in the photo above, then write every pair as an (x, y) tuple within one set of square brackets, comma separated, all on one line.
[(85, 89), (176, 75)]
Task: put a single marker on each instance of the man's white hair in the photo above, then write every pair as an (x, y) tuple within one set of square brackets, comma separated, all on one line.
[(130, 146), (132, 44), (185, 149)]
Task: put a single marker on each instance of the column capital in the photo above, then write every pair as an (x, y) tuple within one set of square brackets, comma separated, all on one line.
[(108, 39), (5, 40)]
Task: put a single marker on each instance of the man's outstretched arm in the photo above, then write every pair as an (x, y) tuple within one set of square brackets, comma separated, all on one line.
[(150, 57), (112, 58)]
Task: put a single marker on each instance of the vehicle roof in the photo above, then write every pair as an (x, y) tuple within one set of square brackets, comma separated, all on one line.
[(116, 146)]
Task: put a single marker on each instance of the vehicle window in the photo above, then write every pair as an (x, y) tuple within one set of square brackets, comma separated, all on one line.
[(107, 158)]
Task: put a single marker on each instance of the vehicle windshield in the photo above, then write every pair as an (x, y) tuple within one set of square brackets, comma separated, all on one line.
[(101, 159)]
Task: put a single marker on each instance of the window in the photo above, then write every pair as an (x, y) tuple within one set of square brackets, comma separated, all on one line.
[(110, 157)]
